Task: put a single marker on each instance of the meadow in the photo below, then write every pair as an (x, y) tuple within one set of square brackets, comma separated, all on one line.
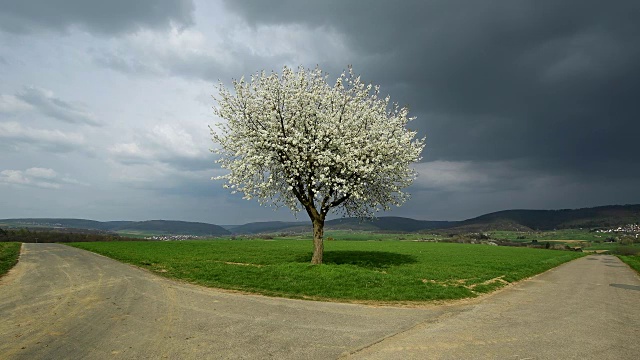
[(9, 252), (383, 271), (632, 260), (360, 235)]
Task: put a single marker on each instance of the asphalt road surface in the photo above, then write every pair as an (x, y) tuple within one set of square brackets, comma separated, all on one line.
[(586, 309), (64, 303)]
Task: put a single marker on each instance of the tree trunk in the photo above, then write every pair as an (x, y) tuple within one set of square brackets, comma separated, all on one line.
[(318, 244)]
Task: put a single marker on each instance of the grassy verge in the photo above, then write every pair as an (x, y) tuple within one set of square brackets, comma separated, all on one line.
[(633, 261), (9, 252), (353, 270)]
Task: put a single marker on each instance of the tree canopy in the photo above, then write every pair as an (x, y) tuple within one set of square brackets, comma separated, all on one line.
[(294, 140)]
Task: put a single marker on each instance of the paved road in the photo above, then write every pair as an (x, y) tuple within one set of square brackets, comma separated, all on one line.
[(64, 303), (586, 309), (60, 302)]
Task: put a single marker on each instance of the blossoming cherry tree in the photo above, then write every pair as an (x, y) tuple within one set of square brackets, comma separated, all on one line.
[(292, 139)]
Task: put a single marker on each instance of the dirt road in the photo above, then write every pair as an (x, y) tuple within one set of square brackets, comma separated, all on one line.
[(64, 303)]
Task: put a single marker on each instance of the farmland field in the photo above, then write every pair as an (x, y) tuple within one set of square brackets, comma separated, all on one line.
[(388, 271), (139, 234), (567, 234), (9, 252)]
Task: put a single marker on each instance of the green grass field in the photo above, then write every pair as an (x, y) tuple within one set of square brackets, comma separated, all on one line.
[(633, 261), (613, 248), (360, 235), (388, 271), (9, 252)]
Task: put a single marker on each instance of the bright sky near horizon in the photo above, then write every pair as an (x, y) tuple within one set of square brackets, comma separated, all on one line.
[(104, 106)]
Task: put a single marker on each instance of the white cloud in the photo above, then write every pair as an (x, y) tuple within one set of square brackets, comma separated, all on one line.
[(214, 54), (48, 104), (175, 140), (41, 173), (36, 177), (162, 53), (18, 137), (166, 145), (130, 152), (10, 104)]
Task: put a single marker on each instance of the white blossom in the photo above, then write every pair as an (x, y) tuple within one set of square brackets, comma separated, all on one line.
[(293, 140)]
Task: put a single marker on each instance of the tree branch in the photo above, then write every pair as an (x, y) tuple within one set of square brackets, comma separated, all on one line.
[(337, 202)]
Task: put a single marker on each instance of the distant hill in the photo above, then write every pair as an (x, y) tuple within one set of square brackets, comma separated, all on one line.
[(519, 220), (176, 228), (596, 217), (388, 224), (498, 224), (117, 224), (62, 223), (151, 226)]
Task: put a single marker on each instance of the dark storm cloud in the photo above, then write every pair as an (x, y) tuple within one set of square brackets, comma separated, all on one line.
[(551, 84), (104, 17)]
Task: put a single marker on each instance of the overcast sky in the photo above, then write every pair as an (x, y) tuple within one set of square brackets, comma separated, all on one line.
[(104, 105)]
